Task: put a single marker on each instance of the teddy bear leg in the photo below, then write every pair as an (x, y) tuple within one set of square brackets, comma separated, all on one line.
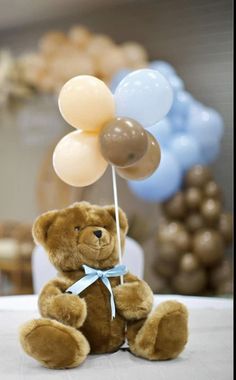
[(162, 335), (53, 344)]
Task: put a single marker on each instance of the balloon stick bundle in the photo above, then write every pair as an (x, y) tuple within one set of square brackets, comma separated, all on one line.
[(110, 129)]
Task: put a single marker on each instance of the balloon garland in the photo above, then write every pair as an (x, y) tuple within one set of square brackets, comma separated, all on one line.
[(111, 129), (192, 239)]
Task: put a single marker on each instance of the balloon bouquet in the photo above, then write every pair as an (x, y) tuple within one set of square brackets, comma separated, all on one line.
[(111, 129), (190, 134)]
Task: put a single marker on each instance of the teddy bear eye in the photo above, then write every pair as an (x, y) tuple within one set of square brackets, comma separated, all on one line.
[(77, 228)]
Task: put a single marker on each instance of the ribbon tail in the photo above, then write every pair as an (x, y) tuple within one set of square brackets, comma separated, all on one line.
[(106, 282), (82, 284)]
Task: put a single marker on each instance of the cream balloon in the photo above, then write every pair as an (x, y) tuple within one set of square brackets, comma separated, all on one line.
[(85, 102), (77, 159)]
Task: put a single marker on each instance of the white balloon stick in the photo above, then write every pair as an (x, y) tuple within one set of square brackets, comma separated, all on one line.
[(117, 217)]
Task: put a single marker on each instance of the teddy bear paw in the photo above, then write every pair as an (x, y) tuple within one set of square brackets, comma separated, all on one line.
[(164, 333), (54, 344), (69, 309)]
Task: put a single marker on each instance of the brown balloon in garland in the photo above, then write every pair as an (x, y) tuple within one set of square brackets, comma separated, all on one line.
[(200, 268), (123, 141), (175, 207), (208, 246), (210, 210), (212, 190), (167, 232), (225, 287), (194, 222), (220, 274), (198, 176), (183, 241), (146, 165), (189, 263), (226, 227), (168, 252), (190, 283), (193, 198), (164, 268), (162, 285)]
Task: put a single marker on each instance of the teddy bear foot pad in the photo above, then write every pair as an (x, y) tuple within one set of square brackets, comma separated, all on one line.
[(53, 344), (163, 334)]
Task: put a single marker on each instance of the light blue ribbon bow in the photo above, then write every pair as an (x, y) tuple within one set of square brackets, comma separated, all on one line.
[(93, 275)]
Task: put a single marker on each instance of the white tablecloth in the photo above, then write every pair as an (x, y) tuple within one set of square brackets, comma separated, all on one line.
[(208, 354)]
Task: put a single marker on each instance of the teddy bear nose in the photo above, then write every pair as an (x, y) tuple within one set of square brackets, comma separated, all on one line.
[(98, 233)]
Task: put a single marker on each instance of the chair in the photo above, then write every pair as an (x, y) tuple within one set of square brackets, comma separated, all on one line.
[(43, 270)]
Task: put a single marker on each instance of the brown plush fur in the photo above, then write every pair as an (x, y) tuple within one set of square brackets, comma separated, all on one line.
[(72, 326)]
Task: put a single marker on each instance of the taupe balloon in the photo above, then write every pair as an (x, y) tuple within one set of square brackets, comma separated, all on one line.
[(212, 190), (193, 198), (189, 263), (195, 222), (221, 273), (175, 207), (183, 241), (190, 282), (123, 141), (168, 231), (161, 285), (168, 252), (226, 227), (146, 165), (225, 288), (164, 268), (198, 176), (210, 210), (208, 246)]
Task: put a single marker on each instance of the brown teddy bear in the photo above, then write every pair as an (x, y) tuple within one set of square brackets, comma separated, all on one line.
[(72, 326)]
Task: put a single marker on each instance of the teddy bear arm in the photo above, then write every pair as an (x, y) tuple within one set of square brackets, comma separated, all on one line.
[(134, 298), (54, 303), (52, 289)]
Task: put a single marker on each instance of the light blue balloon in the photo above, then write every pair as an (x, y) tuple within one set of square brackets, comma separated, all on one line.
[(161, 131), (162, 184), (144, 95), (206, 126), (195, 108), (163, 67), (176, 83), (186, 150), (181, 104), (117, 78), (178, 122), (210, 152)]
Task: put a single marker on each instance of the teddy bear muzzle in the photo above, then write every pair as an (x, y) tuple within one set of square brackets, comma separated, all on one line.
[(96, 237)]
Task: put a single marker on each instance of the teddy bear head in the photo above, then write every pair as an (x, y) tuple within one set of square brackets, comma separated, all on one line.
[(80, 234)]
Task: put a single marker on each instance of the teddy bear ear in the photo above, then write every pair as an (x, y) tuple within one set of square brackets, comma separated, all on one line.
[(41, 226), (122, 217)]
